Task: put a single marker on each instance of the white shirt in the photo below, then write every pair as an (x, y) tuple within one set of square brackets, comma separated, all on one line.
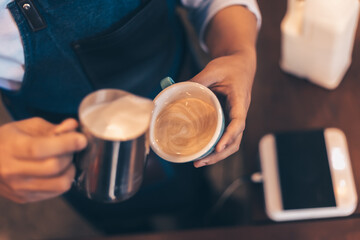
[(12, 52)]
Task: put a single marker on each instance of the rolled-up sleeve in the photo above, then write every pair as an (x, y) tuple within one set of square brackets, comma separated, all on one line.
[(202, 11)]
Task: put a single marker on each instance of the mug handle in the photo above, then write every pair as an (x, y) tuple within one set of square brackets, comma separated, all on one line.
[(166, 82)]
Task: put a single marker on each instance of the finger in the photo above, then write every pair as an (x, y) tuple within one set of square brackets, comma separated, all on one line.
[(29, 197), (50, 146), (35, 126), (218, 156), (67, 125), (231, 134), (205, 78), (44, 168), (58, 184)]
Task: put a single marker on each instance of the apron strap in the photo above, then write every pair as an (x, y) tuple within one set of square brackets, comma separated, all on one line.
[(32, 15)]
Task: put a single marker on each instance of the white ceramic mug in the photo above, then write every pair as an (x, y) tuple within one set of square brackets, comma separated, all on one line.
[(172, 92)]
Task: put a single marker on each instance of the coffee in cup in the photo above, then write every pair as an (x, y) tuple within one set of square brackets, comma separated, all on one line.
[(185, 126), (187, 122)]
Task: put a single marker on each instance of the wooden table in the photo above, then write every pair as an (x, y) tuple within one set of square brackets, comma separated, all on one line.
[(283, 102), (340, 229)]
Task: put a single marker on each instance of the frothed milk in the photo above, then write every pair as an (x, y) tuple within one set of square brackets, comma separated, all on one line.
[(122, 119), (185, 126)]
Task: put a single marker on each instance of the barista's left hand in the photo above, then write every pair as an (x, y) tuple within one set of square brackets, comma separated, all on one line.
[(230, 37), (230, 77)]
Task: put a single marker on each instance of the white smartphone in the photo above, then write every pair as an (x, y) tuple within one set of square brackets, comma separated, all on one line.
[(307, 174)]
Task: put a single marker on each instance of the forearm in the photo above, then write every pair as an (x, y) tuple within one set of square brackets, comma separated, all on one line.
[(232, 30)]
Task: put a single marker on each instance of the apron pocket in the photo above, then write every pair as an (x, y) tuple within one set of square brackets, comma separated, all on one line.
[(133, 56)]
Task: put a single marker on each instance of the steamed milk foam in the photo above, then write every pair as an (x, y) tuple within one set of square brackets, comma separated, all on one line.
[(125, 118), (185, 126)]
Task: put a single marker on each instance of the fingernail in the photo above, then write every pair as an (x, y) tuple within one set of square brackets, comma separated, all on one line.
[(82, 142)]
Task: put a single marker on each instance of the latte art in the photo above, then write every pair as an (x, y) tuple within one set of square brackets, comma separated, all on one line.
[(185, 126)]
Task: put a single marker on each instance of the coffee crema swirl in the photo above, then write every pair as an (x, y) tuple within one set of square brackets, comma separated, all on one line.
[(185, 126)]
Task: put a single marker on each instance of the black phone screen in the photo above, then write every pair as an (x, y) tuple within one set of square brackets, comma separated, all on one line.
[(304, 171)]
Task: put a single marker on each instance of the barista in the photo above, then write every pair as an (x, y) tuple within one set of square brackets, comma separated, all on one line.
[(54, 53)]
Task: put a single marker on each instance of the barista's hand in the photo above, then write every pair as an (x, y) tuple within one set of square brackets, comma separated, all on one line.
[(230, 77), (36, 158)]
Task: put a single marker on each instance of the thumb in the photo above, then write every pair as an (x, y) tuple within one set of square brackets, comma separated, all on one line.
[(205, 77), (67, 125)]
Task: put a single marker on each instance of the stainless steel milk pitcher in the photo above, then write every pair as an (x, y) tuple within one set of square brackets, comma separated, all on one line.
[(111, 167)]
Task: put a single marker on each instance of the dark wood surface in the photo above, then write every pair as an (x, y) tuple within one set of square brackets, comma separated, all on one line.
[(340, 229), (283, 102)]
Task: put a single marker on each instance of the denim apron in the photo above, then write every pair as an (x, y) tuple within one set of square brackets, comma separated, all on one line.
[(75, 47), (85, 45)]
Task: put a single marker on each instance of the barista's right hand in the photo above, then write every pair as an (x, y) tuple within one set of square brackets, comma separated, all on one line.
[(36, 158)]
